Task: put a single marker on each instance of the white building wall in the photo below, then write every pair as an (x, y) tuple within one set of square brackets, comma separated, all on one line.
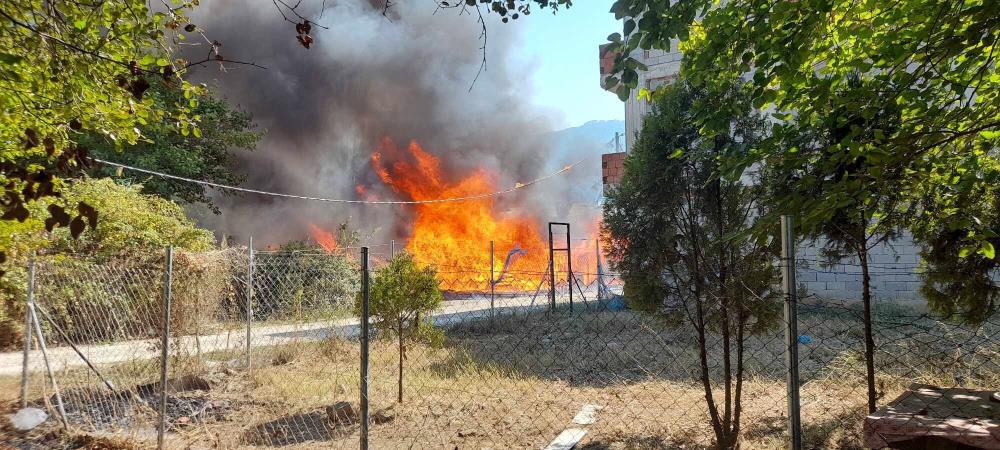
[(894, 269), (663, 67)]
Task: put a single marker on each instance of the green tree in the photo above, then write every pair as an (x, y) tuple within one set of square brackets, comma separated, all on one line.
[(681, 229), (962, 285), (842, 194), (401, 291), (134, 225), (887, 109), (315, 283), (205, 153), (71, 68)]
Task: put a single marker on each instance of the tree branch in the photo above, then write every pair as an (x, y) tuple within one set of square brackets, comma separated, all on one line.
[(482, 35)]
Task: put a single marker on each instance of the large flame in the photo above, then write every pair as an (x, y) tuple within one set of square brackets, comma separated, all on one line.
[(324, 238), (455, 236)]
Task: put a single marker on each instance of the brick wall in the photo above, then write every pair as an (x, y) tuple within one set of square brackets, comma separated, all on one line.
[(893, 269)]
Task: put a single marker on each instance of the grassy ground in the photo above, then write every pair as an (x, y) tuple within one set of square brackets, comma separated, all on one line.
[(517, 384)]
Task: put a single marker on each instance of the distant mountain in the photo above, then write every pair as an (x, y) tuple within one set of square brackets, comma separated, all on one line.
[(584, 145), (599, 133), (589, 140)]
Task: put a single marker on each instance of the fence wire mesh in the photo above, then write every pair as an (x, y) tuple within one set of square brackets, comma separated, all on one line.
[(264, 352)]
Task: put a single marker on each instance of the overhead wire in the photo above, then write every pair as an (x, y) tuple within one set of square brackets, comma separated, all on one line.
[(516, 186)]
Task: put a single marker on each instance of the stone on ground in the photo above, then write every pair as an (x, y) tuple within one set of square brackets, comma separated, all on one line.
[(28, 418), (341, 412)]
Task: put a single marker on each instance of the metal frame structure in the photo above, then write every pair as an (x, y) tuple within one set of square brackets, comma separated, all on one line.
[(552, 265)]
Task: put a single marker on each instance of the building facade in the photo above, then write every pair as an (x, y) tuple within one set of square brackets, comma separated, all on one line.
[(663, 68), (612, 168)]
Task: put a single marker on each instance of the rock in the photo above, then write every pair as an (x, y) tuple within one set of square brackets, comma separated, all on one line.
[(381, 417), (467, 433), (189, 383), (28, 418), (175, 385), (341, 412)]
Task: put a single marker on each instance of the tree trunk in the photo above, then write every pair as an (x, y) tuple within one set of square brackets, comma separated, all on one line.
[(700, 326), (399, 396), (727, 367), (866, 298)]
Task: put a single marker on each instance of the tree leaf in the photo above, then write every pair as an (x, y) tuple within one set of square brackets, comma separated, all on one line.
[(629, 26), (9, 59), (986, 249), (76, 227)]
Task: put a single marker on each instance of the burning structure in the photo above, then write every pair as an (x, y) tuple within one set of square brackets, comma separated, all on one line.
[(446, 234), (377, 109)]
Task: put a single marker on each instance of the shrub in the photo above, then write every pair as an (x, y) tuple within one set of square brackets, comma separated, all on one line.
[(132, 231), (401, 294), (299, 283)]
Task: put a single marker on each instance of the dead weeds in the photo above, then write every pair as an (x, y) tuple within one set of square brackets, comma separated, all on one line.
[(517, 384)]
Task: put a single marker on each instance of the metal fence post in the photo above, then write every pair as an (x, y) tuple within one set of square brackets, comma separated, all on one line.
[(493, 283), (569, 267), (552, 272), (598, 270), (365, 297), (164, 345), (392, 248), (791, 332), (48, 367), (27, 332), (249, 303)]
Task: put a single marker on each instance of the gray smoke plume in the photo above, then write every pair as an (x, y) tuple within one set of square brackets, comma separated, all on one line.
[(367, 77)]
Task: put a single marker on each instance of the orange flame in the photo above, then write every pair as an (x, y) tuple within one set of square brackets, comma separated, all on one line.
[(364, 193), (324, 238), (455, 236)]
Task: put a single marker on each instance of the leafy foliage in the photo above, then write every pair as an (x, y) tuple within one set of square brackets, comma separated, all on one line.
[(202, 153), (133, 228), (402, 292), (399, 292), (679, 233), (962, 285), (911, 86), (131, 222), (70, 68), (306, 282)]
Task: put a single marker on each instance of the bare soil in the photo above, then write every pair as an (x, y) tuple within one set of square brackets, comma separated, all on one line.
[(514, 384)]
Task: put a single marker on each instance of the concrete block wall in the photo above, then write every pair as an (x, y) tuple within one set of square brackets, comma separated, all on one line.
[(893, 267)]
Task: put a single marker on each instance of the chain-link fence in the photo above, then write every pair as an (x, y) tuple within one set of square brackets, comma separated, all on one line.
[(265, 349)]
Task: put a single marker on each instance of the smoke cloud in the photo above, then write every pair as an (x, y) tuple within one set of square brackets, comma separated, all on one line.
[(325, 109)]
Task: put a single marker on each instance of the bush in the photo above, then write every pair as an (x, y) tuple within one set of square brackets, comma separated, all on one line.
[(131, 233), (402, 297), (299, 283)]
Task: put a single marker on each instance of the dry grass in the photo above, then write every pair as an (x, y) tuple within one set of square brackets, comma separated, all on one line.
[(518, 384)]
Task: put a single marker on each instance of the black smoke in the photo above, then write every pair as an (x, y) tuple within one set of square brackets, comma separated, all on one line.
[(368, 76)]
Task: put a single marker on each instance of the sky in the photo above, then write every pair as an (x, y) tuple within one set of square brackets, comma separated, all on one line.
[(563, 50)]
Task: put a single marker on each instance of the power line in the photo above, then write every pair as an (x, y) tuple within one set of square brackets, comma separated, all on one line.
[(339, 200)]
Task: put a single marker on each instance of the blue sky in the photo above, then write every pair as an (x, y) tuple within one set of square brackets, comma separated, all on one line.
[(563, 48)]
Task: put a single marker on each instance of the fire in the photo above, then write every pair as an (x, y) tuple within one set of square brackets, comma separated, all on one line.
[(585, 252), (324, 238), (364, 193), (455, 236)]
